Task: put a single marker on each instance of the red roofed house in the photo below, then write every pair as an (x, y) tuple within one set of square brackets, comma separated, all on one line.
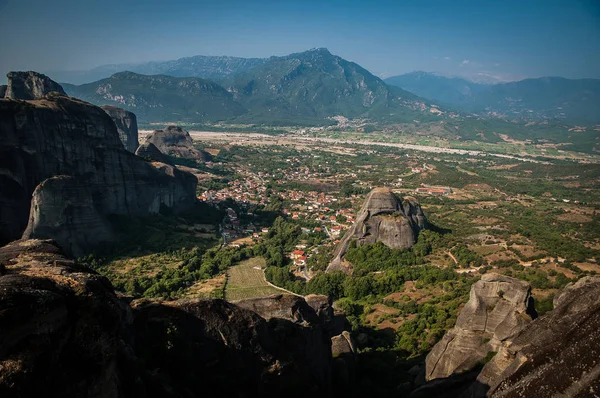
[(297, 254)]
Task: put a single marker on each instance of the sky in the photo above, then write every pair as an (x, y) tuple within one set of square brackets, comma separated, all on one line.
[(499, 39)]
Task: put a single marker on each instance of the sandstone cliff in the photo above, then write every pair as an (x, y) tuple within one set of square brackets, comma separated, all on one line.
[(127, 127), (177, 142), (498, 307), (30, 86), (382, 218), (556, 355), (64, 332), (62, 136)]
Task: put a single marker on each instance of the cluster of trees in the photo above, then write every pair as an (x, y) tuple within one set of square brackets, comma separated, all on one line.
[(283, 236), (465, 257), (377, 257), (539, 278)]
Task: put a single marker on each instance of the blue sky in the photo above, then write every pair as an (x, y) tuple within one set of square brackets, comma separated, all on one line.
[(508, 39)]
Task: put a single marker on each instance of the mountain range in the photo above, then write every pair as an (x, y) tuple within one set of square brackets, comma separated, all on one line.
[(316, 88), (571, 100), (161, 98), (207, 67), (302, 88)]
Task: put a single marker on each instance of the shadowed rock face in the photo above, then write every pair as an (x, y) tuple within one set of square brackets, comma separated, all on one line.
[(30, 86), (59, 325), (177, 142), (62, 136), (148, 151), (498, 307), (63, 329), (127, 127), (382, 218), (3, 90), (556, 355)]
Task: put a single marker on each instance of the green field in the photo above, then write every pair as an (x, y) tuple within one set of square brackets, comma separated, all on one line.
[(245, 281)]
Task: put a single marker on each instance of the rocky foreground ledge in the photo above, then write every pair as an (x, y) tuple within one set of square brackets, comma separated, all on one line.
[(64, 330)]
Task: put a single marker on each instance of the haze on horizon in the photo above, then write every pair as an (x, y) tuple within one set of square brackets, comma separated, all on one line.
[(507, 40)]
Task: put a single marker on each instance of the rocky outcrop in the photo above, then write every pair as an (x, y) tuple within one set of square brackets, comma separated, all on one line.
[(556, 355), (127, 127), (148, 151), (382, 218), (30, 86), (62, 136), (282, 306), (177, 142), (498, 308), (3, 90), (60, 325), (63, 329)]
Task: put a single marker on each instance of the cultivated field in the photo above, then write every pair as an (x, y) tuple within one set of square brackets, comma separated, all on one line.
[(246, 280)]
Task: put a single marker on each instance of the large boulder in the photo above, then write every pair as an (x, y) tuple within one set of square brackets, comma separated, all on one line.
[(498, 308), (63, 330), (30, 86), (62, 136), (382, 218), (127, 127), (556, 355), (177, 142)]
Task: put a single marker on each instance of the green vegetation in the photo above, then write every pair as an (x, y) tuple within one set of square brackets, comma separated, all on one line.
[(246, 280), (466, 258)]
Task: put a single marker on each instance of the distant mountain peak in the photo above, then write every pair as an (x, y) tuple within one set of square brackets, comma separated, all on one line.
[(321, 50)]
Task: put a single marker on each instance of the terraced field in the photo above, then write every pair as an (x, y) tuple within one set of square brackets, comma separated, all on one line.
[(246, 280)]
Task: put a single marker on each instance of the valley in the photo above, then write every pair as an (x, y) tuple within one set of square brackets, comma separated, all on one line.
[(285, 202), (284, 223)]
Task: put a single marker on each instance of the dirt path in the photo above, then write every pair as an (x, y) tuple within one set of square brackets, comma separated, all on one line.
[(279, 288), (453, 258)]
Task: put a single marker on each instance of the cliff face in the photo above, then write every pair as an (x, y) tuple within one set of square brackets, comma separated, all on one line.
[(556, 355), (498, 307), (63, 329), (127, 127), (30, 86), (62, 136), (177, 142), (382, 218)]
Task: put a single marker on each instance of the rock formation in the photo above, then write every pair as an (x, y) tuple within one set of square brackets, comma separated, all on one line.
[(30, 86), (3, 90), (63, 330), (177, 142), (556, 355), (382, 218), (76, 145), (342, 344), (127, 127), (148, 151), (498, 307), (59, 325), (282, 306)]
